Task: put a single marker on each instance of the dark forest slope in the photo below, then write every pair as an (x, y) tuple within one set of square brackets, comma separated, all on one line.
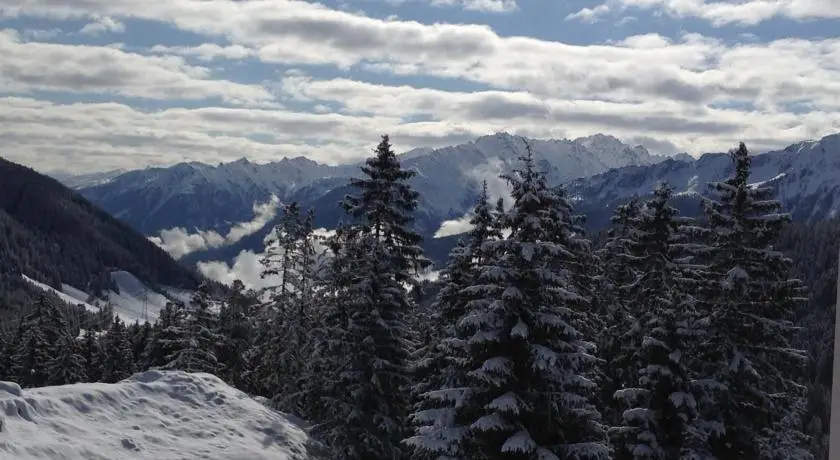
[(54, 235)]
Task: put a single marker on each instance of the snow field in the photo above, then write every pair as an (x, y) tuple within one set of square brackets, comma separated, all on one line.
[(160, 415)]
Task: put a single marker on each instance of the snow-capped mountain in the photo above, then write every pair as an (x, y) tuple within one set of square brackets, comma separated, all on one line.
[(806, 177), (207, 197)]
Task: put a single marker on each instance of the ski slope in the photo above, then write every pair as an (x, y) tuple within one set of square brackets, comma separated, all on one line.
[(134, 302), (156, 415)]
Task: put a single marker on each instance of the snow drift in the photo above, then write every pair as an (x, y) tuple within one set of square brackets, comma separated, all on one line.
[(158, 415)]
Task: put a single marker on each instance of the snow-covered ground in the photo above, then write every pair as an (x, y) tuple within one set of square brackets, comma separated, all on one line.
[(134, 302), (152, 415)]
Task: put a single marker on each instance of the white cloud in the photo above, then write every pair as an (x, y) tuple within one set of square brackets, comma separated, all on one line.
[(720, 13), (454, 227), (487, 6), (178, 242), (494, 6), (694, 92), (30, 66), (102, 25)]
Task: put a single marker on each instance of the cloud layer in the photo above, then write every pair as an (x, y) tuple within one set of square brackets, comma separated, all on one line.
[(178, 242), (268, 78)]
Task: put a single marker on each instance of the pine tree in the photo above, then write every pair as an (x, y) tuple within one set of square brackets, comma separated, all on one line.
[(168, 337), (38, 334), (437, 369), (364, 346), (119, 356), (526, 394), (659, 338), (747, 362), (140, 336), (288, 341), (202, 340), (66, 365), (31, 358), (92, 355), (618, 278), (235, 331)]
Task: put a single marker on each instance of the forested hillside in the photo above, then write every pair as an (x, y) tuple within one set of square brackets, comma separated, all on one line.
[(53, 235), (673, 337)]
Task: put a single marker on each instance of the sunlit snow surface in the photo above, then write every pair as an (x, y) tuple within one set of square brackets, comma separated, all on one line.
[(152, 415), (134, 302)]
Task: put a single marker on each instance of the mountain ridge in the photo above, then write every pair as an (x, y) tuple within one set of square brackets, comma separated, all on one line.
[(155, 199)]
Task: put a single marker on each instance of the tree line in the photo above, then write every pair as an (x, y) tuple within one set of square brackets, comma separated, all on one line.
[(674, 339)]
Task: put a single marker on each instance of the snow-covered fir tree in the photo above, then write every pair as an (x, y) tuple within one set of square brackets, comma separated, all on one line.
[(364, 345), (119, 356), (658, 335), (91, 353), (38, 334), (201, 337), (617, 277), (438, 368), (66, 365), (748, 366), (235, 329), (169, 337), (291, 256), (526, 392)]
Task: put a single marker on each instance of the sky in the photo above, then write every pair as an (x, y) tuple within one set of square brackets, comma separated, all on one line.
[(93, 85)]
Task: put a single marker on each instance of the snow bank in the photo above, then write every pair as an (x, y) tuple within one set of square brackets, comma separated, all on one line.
[(152, 415)]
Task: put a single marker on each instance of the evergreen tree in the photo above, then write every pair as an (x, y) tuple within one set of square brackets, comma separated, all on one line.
[(288, 342), (202, 340), (235, 330), (748, 364), (31, 358), (526, 394), (92, 355), (437, 369), (364, 345), (659, 336), (38, 334), (618, 277), (140, 336), (168, 337), (119, 356), (66, 365)]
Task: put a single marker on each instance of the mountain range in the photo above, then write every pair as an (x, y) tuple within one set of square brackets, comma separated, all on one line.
[(198, 196), (598, 171)]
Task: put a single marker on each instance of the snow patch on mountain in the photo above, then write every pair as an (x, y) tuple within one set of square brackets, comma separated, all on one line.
[(65, 296), (154, 415), (135, 301), (178, 242)]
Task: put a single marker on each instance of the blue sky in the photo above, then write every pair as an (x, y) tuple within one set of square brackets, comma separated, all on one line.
[(106, 84)]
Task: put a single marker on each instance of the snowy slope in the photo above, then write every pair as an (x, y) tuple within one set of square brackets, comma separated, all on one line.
[(71, 296), (153, 415), (134, 302), (197, 196)]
